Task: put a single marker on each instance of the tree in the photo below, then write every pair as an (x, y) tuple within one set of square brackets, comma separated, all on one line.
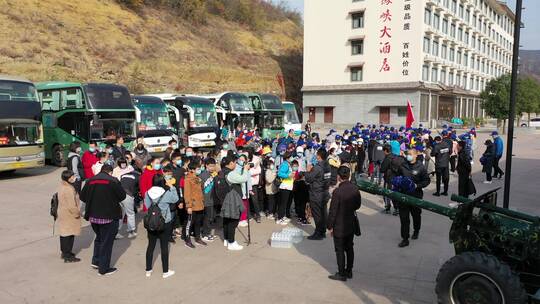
[(528, 97), (496, 98)]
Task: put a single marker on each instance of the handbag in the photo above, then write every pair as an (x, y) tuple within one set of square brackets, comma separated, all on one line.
[(356, 223)]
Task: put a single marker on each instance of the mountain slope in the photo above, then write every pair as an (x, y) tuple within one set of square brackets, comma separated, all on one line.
[(149, 51), (530, 63)]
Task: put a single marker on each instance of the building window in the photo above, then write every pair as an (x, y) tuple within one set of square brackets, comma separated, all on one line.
[(356, 74), (358, 20), (427, 16), (450, 79), (357, 46), (443, 76), (436, 20), (425, 72), (445, 26), (435, 50), (451, 54), (434, 75), (444, 49), (453, 30), (402, 111), (426, 45)]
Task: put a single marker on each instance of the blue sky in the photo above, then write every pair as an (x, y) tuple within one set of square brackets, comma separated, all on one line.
[(530, 37)]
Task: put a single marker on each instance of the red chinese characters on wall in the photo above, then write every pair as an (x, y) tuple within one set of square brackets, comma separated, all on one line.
[(385, 34)]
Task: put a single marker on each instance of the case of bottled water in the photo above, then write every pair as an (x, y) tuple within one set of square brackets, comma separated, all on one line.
[(286, 238)]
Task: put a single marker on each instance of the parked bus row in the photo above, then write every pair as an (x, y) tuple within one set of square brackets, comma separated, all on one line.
[(39, 122)]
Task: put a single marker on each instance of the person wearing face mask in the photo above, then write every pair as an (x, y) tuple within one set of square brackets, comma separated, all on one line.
[(142, 156), (102, 160), (129, 179), (318, 179), (271, 188), (441, 151), (194, 199), (89, 158), (102, 195), (110, 158), (246, 189), (118, 150), (286, 174), (178, 173), (153, 168), (300, 193), (335, 163), (75, 164), (189, 152), (418, 174), (69, 216)]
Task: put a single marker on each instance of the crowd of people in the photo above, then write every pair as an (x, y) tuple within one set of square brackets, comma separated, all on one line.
[(187, 195)]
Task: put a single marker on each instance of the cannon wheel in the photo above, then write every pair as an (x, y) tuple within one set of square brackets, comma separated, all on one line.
[(475, 277)]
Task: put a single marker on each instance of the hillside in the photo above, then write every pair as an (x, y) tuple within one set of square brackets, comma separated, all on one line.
[(530, 63), (149, 50)]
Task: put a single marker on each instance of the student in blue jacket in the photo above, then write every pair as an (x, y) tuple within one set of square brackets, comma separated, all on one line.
[(499, 150)]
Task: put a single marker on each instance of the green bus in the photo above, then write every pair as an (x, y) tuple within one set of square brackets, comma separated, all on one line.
[(21, 136), (84, 112), (269, 113)]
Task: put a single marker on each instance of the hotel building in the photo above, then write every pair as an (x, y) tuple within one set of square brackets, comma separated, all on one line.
[(363, 59)]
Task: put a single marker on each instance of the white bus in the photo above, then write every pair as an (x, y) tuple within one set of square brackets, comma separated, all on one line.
[(153, 123)]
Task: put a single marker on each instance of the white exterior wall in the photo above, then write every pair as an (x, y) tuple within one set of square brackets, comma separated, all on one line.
[(327, 49), (328, 30)]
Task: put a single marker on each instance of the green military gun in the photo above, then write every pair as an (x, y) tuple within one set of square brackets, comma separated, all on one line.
[(497, 250)]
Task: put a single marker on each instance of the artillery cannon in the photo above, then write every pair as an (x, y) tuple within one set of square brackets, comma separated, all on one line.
[(497, 250)]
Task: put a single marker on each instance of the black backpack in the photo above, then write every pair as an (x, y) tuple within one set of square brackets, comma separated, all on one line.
[(54, 206), (154, 220), (221, 188)]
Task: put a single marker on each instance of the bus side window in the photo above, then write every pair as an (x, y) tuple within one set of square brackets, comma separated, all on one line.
[(72, 98), (50, 100)]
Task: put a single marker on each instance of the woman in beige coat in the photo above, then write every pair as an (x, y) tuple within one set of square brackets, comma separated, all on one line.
[(69, 216)]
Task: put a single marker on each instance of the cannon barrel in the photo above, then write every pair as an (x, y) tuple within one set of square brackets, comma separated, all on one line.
[(406, 199)]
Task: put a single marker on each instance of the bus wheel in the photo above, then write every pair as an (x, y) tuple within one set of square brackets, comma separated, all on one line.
[(58, 156)]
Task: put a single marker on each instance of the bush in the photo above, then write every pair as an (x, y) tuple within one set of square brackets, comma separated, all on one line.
[(192, 10)]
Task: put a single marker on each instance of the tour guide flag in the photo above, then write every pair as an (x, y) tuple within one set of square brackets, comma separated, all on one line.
[(410, 115)]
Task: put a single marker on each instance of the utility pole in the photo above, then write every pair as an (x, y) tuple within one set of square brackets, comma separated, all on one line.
[(513, 93)]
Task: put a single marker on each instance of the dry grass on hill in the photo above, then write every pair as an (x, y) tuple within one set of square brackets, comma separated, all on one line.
[(149, 51)]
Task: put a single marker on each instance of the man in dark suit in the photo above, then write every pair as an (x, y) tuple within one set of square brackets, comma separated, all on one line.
[(341, 220)]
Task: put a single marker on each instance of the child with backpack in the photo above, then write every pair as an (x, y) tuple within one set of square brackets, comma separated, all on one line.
[(194, 200), (158, 221)]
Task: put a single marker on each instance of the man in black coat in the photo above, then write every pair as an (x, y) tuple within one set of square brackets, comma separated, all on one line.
[(441, 151), (418, 173), (341, 220), (103, 195), (318, 178)]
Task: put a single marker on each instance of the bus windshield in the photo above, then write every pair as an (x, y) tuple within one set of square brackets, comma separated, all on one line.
[(291, 116), (19, 134), (240, 102), (271, 102), (154, 116), (108, 129), (108, 96), (17, 91), (273, 122), (205, 115)]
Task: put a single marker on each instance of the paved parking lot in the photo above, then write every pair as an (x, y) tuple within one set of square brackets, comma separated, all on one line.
[(32, 271)]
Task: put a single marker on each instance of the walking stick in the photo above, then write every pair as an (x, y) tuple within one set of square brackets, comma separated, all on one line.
[(249, 226)]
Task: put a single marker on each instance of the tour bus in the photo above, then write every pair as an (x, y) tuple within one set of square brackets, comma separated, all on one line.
[(153, 123), (269, 114), (21, 140), (193, 118), (83, 112), (291, 118), (236, 110)]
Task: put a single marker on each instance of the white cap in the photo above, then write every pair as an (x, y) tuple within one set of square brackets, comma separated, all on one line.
[(300, 149)]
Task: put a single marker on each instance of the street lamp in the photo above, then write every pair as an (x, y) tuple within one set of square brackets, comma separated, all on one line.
[(513, 91)]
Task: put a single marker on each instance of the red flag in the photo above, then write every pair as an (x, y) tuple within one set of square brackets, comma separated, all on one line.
[(410, 115)]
